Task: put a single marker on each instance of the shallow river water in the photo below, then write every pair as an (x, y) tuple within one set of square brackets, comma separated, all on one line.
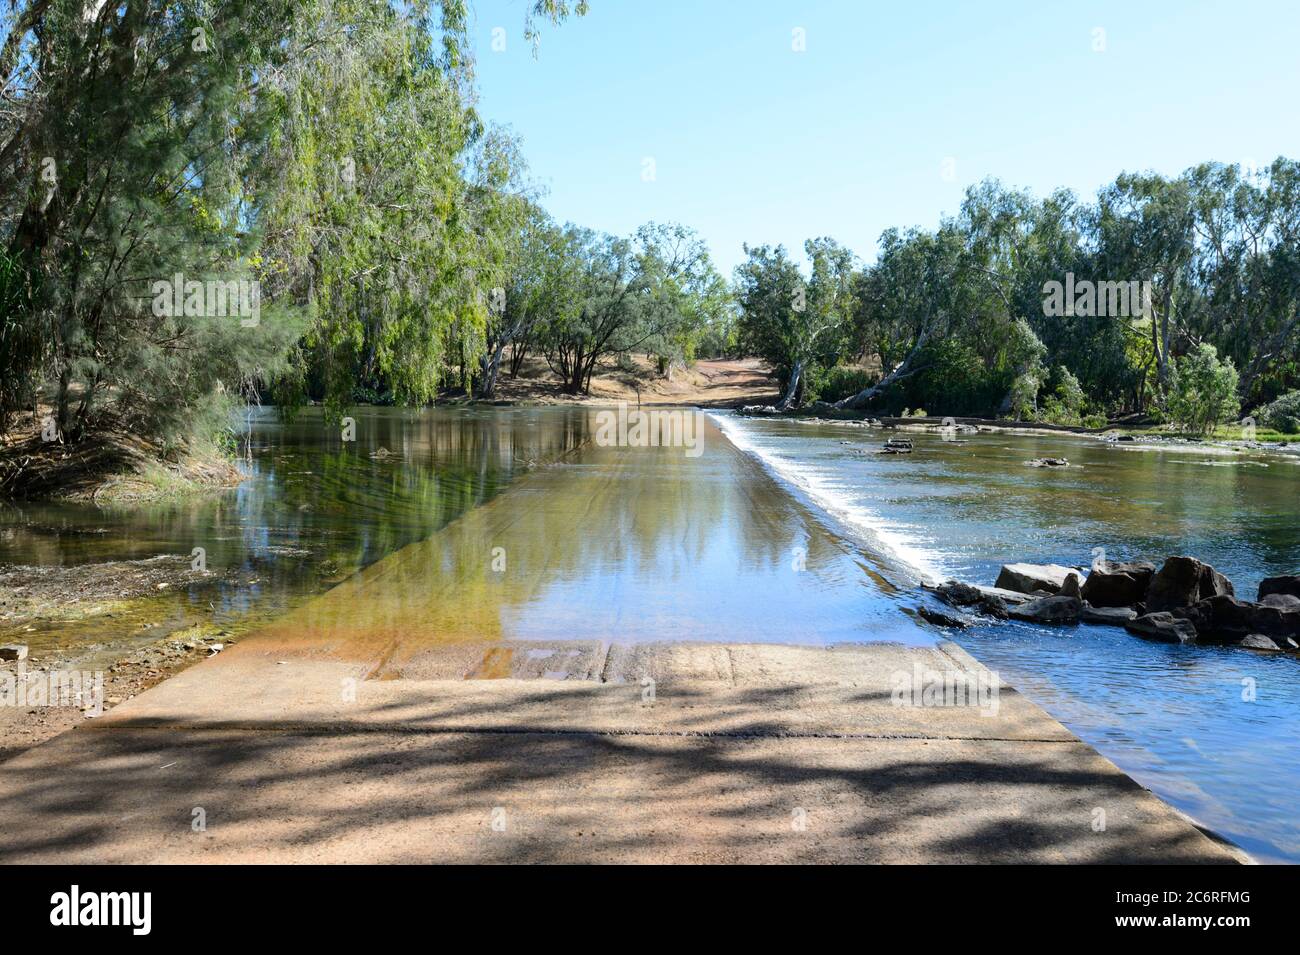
[(1214, 730)]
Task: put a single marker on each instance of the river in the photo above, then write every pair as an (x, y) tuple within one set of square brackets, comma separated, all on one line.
[(780, 531)]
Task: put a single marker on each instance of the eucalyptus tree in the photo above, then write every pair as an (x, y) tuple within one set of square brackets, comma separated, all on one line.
[(126, 139), (793, 322), (542, 285), (611, 299), (687, 294)]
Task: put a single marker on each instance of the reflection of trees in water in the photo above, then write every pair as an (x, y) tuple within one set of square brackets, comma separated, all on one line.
[(603, 522)]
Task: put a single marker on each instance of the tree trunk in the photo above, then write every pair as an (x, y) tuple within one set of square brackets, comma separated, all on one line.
[(491, 367), (904, 369), (792, 387)]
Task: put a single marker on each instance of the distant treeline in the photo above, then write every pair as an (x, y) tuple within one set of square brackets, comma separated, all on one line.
[(1175, 297)]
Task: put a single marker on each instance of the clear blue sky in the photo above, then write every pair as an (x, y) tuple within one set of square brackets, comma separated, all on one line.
[(754, 142)]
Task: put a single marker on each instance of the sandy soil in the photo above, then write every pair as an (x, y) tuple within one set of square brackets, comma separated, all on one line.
[(709, 383)]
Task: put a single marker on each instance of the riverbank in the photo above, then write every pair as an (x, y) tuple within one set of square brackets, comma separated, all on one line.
[(108, 468), (706, 383), (128, 638)]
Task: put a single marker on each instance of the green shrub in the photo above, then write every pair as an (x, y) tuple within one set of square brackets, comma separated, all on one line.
[(1064, 405), (1282, 415), (1202, 391)]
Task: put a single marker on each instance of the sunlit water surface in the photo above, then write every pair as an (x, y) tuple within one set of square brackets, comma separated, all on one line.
[(1216, 731)]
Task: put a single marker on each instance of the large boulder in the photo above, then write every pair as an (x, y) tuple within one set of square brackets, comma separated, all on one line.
[(1184, 581), (992, 601), (1280, 601), (1048, 610), (960, 594), (1163, 627), (1224, 619), (1116, 584), (1107, 616), (1029, 578), (1218, 620), (1286, 584)]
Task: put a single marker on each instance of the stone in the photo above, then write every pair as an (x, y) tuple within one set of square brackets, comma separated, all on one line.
[(1257, 641), (1107, 616), (13, 652), (1224, 619), (1115, 584), (1286, 584), (941, 619), (1163, 627), (960, 594), (1184, 581), (1280, 601), (1048, 610), (1026, 578)]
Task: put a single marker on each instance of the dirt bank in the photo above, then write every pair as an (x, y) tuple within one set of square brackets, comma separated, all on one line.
[(709, 383), (110, 467)]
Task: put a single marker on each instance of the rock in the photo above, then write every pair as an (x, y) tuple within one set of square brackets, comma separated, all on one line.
[(1218, 620), (1115, 584), (1287, 584), (1280, 601), (1184, 581), (1107, 616), (1257, 641), (1048, 610), (941, 619), (1224, 619), (758, 409), (13, 652), (1048, 463), (1026, 578), (990, 600), (956, 593), (1163, 627)]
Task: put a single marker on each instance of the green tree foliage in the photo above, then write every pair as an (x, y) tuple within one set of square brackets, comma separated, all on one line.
[(326, 150), (129, 134), (1282, 415), (1203, 390), (798, 325), (1218, 249)]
